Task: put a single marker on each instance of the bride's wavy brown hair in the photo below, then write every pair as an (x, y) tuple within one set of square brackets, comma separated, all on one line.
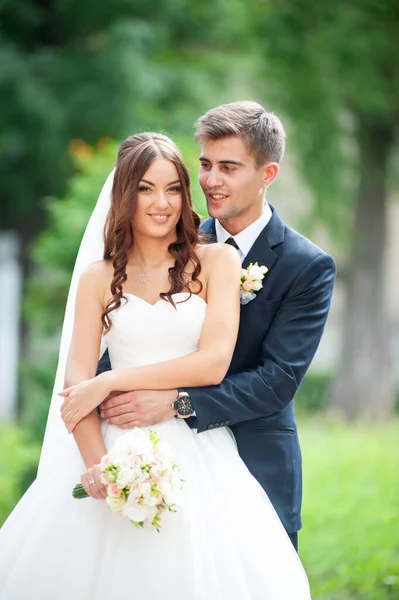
[(135, 156)]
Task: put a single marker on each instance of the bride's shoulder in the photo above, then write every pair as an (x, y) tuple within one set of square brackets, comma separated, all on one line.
[(97, 275), (218, 255), (98, 268)]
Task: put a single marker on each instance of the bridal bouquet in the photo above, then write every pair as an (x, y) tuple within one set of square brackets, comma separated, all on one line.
[(141, 477)]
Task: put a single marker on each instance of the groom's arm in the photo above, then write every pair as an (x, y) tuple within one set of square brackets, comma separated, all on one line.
[(104, 364), (287, 352)]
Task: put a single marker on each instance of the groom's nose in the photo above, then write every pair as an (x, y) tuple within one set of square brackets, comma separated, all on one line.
[(214, 178)]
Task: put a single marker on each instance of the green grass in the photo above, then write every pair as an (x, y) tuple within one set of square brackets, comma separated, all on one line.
[(350, 539), (18, 463)]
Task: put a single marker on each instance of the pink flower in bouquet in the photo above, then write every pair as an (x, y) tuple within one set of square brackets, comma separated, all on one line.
[(114, 491), (142, 479)]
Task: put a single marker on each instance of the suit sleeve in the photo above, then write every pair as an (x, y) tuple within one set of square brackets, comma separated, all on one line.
[(288, 349), (104, 364)]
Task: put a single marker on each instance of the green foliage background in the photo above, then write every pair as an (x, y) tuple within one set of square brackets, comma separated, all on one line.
[(76, 77)]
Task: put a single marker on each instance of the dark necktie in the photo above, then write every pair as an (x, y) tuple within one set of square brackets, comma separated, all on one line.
[(231, 241)]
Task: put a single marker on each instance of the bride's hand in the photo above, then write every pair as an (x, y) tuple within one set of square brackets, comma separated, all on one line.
[(81, 400), (91, 481)]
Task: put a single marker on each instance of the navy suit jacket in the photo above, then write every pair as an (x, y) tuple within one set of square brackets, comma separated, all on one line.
[(279, 333)]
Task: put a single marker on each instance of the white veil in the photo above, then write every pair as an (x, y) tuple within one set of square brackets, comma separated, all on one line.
[(56, 438)]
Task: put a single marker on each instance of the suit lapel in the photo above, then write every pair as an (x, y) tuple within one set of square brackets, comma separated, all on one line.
[(271, 236), (262, 250), (208, 229)]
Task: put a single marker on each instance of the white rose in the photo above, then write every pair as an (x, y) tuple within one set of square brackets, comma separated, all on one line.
[(244, 273), (257, 285), (125, 477), (119, 457), (116, 503), (264, 270), (255, 272), (134, 442), (171, 493)]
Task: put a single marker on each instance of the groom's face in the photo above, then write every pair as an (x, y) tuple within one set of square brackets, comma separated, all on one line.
[(233, 185)]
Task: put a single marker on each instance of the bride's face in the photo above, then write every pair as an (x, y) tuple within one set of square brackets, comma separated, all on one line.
[(159, 200)]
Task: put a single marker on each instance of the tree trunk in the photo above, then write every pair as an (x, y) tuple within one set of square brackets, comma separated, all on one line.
[(365, 381)]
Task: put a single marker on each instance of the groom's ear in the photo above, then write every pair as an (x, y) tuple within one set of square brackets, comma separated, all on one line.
[(269, 171)]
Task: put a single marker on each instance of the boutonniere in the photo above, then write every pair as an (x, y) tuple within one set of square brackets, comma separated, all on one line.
[(251, 282)]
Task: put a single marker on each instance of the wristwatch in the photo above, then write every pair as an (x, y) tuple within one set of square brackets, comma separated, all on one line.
[(183, 406)]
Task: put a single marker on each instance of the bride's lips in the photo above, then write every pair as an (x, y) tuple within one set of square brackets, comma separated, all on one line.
[(216, 198), (159, 218)]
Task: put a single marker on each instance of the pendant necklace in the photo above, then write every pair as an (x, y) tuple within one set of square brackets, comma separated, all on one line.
[(143, 276)]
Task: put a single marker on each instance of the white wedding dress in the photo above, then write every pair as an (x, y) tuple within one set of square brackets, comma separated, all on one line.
[(225, 543)]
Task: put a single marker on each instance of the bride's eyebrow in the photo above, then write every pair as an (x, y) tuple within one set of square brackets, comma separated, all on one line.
[(153, 184)]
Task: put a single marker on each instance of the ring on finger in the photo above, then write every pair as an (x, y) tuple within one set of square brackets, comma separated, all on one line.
[(92, 481)]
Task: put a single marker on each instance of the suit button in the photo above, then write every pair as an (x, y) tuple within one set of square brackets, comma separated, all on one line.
[(211, 426), (227, 422), (217, 424)]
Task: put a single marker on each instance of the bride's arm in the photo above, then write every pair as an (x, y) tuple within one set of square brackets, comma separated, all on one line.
[(83, 358), (209, 364)]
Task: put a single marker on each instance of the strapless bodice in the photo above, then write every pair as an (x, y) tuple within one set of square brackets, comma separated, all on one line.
[(144, 333)]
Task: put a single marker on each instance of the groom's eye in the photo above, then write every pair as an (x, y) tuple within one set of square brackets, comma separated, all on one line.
[(228, 168), (204, 165)]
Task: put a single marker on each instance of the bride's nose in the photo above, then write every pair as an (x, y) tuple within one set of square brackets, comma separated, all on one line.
[(161, 200)]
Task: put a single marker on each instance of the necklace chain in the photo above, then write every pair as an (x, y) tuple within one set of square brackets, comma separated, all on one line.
[(144, 276)]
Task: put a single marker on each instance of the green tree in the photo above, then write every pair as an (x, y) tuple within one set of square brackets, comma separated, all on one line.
[(81, 70), (74, 71), (63, 76), (331, 67)]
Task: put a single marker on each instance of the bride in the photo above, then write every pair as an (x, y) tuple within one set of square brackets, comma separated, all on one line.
[(167, 308)]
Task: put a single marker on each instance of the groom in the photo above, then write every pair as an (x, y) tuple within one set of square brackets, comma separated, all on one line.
[(280, 329)]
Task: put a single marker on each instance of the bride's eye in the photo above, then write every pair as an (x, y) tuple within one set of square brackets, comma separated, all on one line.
[(175, 189), (143, 188)]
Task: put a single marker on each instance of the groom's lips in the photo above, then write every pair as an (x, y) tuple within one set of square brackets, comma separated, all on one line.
[(217, 198)]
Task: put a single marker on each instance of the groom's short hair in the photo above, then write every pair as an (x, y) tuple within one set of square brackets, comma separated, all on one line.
[(261, 130)]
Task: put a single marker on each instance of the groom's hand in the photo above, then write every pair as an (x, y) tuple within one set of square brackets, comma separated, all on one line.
[(139, 408)]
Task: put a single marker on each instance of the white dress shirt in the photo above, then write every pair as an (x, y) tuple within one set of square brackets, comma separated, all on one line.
[(247, 237)]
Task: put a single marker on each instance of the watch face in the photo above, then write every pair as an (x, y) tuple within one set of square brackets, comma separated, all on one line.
[(183, 406)]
